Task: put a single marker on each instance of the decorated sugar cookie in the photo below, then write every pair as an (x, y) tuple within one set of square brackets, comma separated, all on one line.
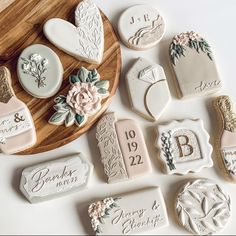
[(227, 141), (141, 27), (184, 146), (202, 207), (148, 89), (85, 39), (123, 149), (55, 178), (17, 131), (40, 71), (194, 65), (129, 214), (82, 100)]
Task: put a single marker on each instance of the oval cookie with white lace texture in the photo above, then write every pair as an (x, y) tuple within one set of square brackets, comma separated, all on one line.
[(141, 27), (40, 71), (202, 207)]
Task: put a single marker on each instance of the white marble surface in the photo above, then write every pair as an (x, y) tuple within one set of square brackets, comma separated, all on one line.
[(212, 19)]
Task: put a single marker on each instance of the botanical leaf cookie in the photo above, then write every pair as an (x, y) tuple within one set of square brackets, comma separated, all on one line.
[(85, 39), (17, 131), (82, 100), (129, 214), (194, 65), (184, 146), (141, 27), (226, 143), (202, 207), (40, 71), (147, 84), (123, 149)]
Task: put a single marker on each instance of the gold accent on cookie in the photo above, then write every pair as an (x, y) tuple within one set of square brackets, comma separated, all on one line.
[(225, 107), (6, 91)]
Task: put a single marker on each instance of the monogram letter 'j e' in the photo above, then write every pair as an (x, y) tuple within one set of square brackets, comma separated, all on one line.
[(183, 141)]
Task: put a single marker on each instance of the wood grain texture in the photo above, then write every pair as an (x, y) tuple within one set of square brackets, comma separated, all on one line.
[(21, 25)]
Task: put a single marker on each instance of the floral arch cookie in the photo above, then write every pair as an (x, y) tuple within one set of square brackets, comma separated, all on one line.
[(194, 65)]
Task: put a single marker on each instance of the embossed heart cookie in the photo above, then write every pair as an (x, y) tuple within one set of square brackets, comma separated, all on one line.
[(85, 39)]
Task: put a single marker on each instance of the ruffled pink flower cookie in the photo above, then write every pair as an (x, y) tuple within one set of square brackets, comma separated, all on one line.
[(83, 99)]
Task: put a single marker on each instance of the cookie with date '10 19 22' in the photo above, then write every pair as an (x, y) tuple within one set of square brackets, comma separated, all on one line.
[(141, 27), (226, 142), (194, 65), (123, 150), (129, 214), (85, 39), (17, 130), (52, 179), (202, 207), (184, 146)]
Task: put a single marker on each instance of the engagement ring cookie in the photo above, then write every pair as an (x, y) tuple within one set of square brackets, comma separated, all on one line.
[(194, 65), (226, 143), (17, 131), (202, 207), (82, 100), (56, 178), (184, 146), (123, 149), (148, 89), (129, 214), (141, 27), (40, 71), (85, 39)]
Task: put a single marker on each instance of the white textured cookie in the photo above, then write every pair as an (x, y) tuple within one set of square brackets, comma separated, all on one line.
[(184, 146), (202, 207), (194, 65), (148, 89), (85, 39), (141, 27)]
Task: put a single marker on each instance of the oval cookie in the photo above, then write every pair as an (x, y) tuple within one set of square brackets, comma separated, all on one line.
[(141, 27), (202, 207), (40, 71)]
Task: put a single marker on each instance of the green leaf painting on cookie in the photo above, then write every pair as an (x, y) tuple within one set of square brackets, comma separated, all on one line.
[(83, 99), (191, 40)]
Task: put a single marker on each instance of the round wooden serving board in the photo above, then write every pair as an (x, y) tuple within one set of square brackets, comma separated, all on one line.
[(21, 24)]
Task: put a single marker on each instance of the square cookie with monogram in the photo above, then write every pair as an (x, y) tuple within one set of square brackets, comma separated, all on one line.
[(129, 214), (17, 130), (55, 178), (194, 65), (184, 146), (148, 89), (226, 142), (123, 150), (141, 27)]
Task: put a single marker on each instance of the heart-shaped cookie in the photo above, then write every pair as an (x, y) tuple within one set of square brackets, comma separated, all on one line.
[(85, 39)]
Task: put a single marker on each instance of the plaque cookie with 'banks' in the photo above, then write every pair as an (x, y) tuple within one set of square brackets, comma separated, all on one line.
[(226, 142), (129, 214), (123, 150), (194, 65), (56, 178), (184, 146)]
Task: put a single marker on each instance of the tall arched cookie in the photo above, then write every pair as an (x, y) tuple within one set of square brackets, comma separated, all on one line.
[(123, 149), (194, 65), (226, 142), (17, 131)]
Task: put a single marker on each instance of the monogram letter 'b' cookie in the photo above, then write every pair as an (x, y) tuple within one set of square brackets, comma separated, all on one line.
[(17, 131), (184, 146), (123, 149), (85, 39), (194, 65), (227, 140)]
